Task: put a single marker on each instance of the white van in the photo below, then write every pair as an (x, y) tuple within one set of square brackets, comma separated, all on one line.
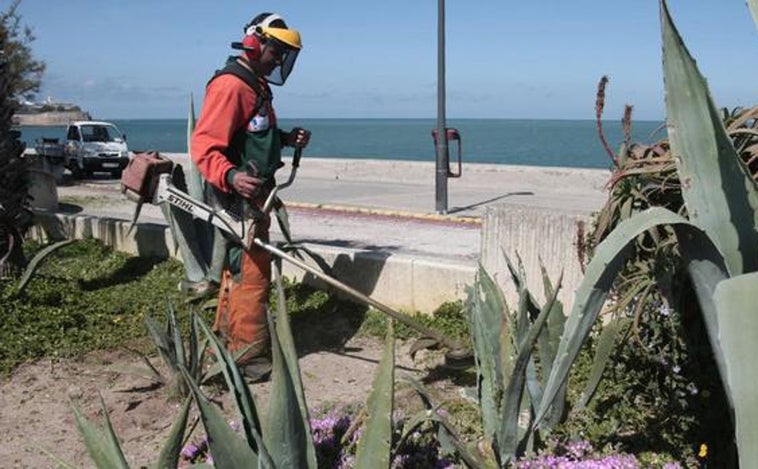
[(95, 146)]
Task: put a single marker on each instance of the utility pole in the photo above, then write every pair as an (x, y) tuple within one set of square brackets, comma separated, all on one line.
[(441, 144)]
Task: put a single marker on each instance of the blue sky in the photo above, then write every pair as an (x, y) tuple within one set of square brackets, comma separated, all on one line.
[(537, 59)]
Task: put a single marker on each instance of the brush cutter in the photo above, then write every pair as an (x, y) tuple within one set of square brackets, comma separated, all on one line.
[(147, 178)]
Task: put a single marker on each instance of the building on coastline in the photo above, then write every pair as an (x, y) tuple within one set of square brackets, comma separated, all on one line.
[(48, 112)]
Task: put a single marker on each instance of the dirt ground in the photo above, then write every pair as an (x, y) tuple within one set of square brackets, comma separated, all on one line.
[(36, 420)]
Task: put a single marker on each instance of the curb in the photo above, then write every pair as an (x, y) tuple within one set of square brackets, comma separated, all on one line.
[(352, 209)]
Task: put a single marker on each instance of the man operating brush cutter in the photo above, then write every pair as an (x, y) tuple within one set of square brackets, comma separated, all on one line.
[(148, 179), (236, 146)]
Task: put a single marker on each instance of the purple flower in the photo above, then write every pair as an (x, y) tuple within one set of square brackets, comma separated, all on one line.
[(190, 451), (578, 455)]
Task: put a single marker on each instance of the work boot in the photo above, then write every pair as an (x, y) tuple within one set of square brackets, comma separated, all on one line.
[(256, 370), (200, 289)]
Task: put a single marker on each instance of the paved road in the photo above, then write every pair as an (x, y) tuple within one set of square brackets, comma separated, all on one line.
[(388, 205)]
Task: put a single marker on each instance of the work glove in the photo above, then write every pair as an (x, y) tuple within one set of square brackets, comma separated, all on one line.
[(298, 137), (244, 184)]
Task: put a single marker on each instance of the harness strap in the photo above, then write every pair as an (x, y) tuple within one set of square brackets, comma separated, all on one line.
[(234, 68)]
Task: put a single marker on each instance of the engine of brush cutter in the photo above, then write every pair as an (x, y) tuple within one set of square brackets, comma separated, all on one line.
[(140, 178), (147, 179)]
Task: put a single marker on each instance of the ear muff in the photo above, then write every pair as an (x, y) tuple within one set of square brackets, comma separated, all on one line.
[(251, 44)]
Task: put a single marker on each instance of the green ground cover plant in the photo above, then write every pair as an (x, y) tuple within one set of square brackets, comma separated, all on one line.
[(84, 297), (87, 297)]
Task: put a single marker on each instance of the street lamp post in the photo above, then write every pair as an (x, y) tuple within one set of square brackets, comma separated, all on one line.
[(441, 141)]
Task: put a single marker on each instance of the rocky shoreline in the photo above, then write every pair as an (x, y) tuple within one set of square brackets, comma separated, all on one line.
[(50, 118)]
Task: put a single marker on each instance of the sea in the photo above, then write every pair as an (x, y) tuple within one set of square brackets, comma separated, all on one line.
[(531, 142)]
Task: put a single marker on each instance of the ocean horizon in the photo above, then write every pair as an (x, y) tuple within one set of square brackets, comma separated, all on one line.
[(531, 142)]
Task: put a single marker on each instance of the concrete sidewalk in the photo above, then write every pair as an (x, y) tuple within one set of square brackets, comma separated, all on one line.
[(376, 219), (409, 186)]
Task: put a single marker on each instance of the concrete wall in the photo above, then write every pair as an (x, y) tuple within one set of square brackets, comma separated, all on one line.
[(533, 234), (402, 282)]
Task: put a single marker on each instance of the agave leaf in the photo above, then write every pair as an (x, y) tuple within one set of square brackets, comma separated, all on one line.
[(187, 234), (228, 448), (375, 444), (195, 349), (176, 336), (241, 392), (549, 339), (753, 4), (36, 261), (161, 340), (195, 187), (508, 435), (592, 292), (497, 325), (288, 433), (551, 335), (449, 442), (533, 387), (523, 313), (518, 275), (218, 255), (287, 343), (169, 455), (602, 355), (720, 195), (448, 438), (414, 423), (209, 239), (706, 268), (485, 309), (736, 300), (102, 443)]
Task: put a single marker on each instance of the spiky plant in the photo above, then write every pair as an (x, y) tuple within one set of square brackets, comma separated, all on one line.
[(644, 175), (15, 214)]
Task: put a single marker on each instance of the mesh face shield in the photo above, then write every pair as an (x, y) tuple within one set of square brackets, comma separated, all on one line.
[(285, 64)]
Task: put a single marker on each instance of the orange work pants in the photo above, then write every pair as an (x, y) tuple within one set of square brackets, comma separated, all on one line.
[(241, 314)]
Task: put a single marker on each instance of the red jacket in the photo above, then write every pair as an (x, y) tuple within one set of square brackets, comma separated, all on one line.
[(228, 106)]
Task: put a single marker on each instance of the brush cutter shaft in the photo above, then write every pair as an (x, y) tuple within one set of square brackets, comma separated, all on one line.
[(166, 192), (446, 341)]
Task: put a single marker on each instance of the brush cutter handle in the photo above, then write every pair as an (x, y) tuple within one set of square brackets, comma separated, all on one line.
[(296, 157), (272, 195)]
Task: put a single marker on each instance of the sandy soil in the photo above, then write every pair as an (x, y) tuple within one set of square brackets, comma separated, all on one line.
[(36, 419)]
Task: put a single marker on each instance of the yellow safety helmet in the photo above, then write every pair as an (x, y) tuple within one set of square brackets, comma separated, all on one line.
[(288, 37), (270, 30)]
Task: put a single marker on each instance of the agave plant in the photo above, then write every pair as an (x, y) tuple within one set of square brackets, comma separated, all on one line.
[(510, 347), (718, 241), (284, 438), (179, 356)]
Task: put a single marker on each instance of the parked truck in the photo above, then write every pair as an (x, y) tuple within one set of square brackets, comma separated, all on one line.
[(90, 146)]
